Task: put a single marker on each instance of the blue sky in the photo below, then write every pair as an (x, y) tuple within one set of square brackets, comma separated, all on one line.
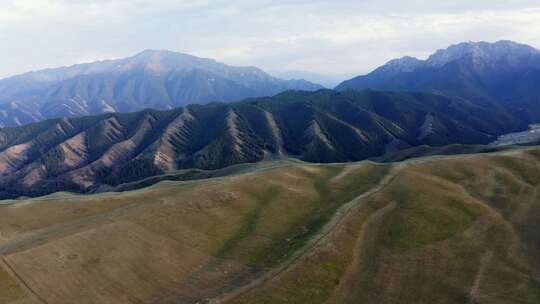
[(339, 37)]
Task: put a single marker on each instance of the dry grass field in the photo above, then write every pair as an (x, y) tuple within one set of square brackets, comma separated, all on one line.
[(456, 229)]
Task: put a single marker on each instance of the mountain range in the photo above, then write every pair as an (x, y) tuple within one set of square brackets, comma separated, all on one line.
[(219, 202), (83, 154), (505, 72), (151, 79), (449, 99)]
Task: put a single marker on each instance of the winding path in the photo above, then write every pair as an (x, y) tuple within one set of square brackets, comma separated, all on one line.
[(320, 238)]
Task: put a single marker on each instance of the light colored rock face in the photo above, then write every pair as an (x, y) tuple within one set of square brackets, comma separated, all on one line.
[(480, 52), (232, 127), (404, 64), (75, 151), (165, 155), (15, 157), (106, 107), (314, 132), (36, 175), (11, 157), (276, 132), (508, 51), (427, 127), (115, 155), (112, 129)]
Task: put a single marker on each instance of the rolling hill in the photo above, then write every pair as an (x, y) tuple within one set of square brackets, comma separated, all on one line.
[(151, 79), (89, 153), (456, 229)]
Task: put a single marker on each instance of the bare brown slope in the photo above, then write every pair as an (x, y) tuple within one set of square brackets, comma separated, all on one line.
[(90, 153), (81, 155)]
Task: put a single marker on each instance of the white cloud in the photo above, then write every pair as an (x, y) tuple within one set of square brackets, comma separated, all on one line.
[(329, 36)]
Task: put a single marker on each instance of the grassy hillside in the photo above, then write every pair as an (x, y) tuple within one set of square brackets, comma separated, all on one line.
[(447, 229)]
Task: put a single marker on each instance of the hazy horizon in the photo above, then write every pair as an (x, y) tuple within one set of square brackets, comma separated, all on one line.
[(336, 38)]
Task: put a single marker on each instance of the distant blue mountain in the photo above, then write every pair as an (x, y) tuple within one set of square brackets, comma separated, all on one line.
[(151, 79), (504, 72)]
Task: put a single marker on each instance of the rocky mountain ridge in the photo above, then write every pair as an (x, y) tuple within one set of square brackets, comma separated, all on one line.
[(84, 154), (151, 79)]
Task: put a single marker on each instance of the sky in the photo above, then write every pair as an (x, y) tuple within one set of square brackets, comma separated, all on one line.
[(332, 37)]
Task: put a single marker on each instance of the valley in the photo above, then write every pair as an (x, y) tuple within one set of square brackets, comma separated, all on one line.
[(445, 229)]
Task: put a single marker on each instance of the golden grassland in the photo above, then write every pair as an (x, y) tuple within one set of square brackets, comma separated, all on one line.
[(457, 229)]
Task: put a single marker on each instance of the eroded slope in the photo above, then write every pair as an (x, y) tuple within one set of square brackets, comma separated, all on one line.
[(86, 154)]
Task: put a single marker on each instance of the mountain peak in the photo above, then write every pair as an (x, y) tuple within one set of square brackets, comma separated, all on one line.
[(503, 50), (165, 60), (158, 79), (503, 71), (403, 64), (150, 53)]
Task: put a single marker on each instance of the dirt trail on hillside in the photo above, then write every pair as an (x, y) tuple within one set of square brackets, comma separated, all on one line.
[(367, 236), (39, 237), (338, 219), (316, 241), (6, 266)]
